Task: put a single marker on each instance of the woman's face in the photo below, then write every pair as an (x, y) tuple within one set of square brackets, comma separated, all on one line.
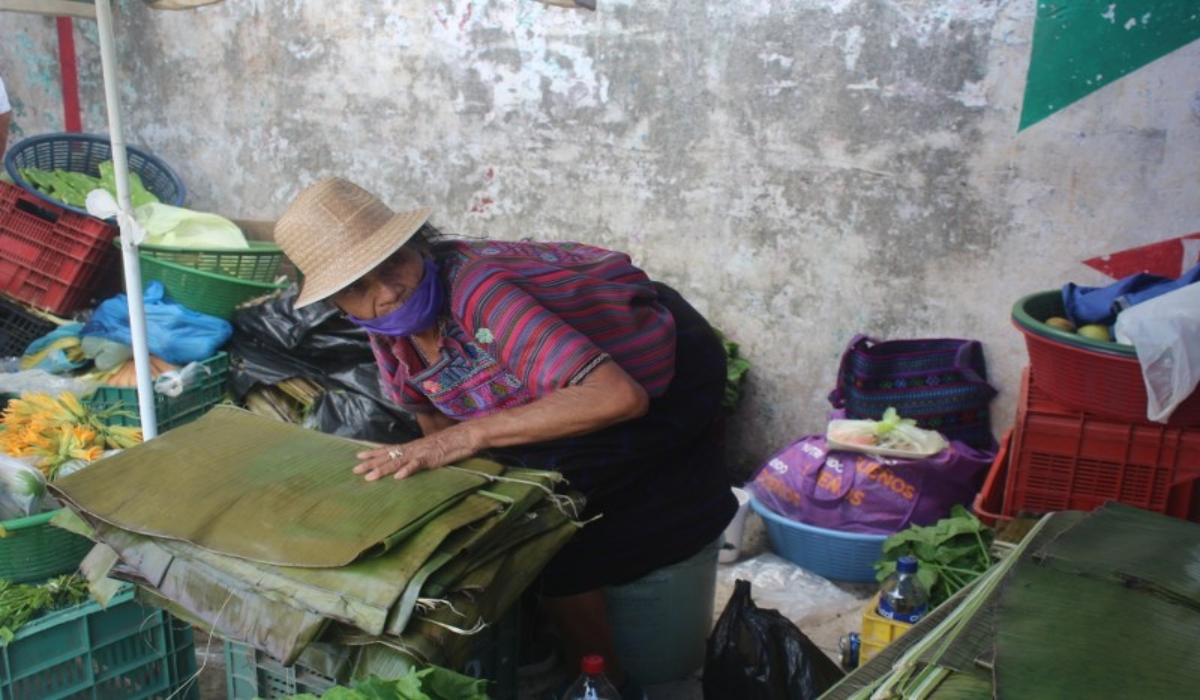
[(385, 288)]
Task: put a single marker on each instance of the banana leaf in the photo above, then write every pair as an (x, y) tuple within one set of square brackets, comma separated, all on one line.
[(433, 636), (1099, 604), (258, 489), (1110, 609), (361, 593), (519, 494)]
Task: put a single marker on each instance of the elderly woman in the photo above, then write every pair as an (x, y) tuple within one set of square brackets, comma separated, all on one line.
[(559, 356)]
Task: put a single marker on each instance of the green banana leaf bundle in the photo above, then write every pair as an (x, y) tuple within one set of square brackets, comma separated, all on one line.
[(1098, 604), (258, 531)]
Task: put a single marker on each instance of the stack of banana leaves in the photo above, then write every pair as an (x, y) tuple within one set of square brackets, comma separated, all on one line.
[(1103, 604), (259, 532)]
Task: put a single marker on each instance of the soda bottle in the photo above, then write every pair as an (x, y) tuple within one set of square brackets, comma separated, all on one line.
[(903, 597), (592, 684)]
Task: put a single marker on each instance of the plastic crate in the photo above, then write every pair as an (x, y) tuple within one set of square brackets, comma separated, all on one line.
[(877, 631), (989, 503), (250, 673), (124, 651), (1061, 459), (170, 411), (1096, 377), (50, 258), (83, 153), (31, 549), (261, 262), (841, 556), (199, 290), (19, 327)]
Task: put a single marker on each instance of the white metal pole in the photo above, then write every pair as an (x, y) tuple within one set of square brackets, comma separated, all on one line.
[(129, 252)]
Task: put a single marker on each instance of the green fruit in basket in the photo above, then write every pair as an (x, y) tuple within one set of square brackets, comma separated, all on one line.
[(1095, 331), (1062, 324)]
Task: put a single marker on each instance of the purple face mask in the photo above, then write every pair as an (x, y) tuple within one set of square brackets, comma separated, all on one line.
[(416, 314)]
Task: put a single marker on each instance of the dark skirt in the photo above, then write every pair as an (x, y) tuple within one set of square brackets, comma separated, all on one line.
[(658, 483)]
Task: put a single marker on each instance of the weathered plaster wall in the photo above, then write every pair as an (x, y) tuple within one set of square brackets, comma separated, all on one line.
[(802, 170)]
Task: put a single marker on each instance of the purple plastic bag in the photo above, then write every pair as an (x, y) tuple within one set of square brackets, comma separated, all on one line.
[(853, 492)]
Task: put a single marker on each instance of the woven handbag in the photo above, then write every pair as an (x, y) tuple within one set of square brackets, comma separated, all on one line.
[(941, 383)]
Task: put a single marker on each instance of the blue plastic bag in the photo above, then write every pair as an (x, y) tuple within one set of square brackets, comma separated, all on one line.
[(49, 353), (174, 332)]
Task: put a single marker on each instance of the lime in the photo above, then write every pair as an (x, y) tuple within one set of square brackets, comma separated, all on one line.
[(1095, 331), (1062, 324)]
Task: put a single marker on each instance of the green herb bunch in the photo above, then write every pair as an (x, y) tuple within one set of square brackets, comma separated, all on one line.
[(429, 683), (951, 553), (21, 602), (735, 374)]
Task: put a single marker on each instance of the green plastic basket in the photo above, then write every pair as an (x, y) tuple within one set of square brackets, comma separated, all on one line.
[(199, 290), (123, 651), (31, 549), (170, 411), (261, 262), (251, 674)]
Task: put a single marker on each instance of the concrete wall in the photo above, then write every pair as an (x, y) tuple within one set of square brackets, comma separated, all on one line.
[(802, 170)]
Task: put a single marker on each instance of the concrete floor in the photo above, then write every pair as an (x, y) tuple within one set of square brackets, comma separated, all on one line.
[(823, 610)]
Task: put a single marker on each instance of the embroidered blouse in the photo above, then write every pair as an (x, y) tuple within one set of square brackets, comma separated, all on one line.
[(526, 319)]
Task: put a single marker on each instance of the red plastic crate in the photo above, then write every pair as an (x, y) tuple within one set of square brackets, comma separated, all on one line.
[(1061, 459), (51, 258), (989, 503)]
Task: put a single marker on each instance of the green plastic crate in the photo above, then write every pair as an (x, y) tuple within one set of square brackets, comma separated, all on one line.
[(125, 651), (261, 262), (250, 673), (31, 549), (171, 411), (199, 290)]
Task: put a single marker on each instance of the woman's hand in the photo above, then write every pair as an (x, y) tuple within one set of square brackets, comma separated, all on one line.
[(431, 452)]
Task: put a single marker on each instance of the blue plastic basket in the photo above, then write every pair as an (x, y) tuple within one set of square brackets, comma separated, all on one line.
[(839, 556), (83, 153)]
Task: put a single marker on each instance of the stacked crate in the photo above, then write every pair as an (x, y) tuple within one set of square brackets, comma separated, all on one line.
[(52, 259), (1056, 458), (1081, 436)]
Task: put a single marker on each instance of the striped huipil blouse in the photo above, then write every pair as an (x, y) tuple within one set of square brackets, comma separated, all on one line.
[(526, 319)]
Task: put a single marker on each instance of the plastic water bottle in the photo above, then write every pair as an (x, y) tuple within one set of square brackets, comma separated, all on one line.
[(903, 597), (592, 684)]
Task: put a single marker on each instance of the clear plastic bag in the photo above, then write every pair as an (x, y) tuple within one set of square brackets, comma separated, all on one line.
[(22, 487), (174, 382), (1165, 333), (892, 436), (175, 226)]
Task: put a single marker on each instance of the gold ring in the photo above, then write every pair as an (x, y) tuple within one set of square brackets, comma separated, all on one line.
[(394, 453)]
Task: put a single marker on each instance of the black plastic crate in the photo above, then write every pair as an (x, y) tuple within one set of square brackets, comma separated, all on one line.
[(19, 327)]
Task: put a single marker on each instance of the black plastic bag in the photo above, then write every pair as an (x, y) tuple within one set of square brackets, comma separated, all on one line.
[(757, 654), (274, 341), (359, 417)]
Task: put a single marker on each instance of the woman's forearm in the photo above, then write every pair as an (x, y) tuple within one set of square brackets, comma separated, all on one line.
[(607, 396)]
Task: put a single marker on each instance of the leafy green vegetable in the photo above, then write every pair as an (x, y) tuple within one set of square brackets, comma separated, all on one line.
[(138, 194), (429, 683), (21, 602), (950, 553), (735, 374), (72, 188), (890, 421)]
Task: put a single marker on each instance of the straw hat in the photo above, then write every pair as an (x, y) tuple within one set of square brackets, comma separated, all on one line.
[(335, 232)]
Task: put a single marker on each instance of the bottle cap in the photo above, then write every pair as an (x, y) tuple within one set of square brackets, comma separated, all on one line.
[(907, 564), (592, 664)]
